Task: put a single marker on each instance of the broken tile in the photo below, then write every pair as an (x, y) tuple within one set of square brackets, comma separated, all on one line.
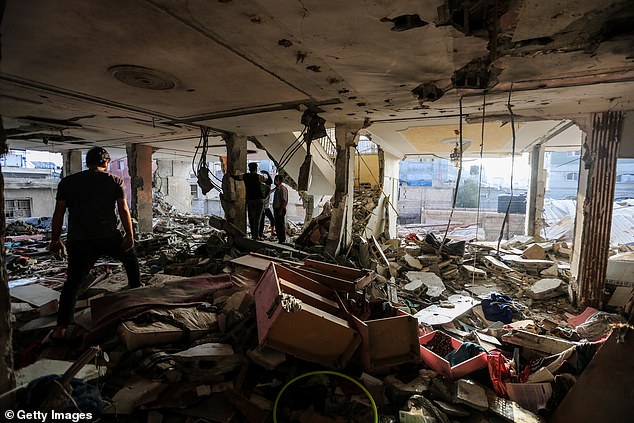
[(434, 284)]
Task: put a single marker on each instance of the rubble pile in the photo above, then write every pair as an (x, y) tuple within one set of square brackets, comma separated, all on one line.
[(365, 201), (228, 329)]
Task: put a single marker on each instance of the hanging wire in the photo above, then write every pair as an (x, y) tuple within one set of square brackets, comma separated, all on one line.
[(475, 255), (292, 149), (508, 207), (202, 149), (455, 194)]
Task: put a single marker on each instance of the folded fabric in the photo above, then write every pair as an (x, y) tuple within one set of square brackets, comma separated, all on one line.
[(463, 353), (497, 308)]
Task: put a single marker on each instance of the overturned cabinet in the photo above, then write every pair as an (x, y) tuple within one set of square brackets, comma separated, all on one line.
[(388, 341), (299, 316)]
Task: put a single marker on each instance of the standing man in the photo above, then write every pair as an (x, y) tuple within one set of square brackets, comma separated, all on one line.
[(280, 200), (266, 201), (252, 181), (90, 197)]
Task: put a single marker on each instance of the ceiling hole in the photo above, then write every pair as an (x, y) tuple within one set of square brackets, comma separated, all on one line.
[(314, 68), (190, 90), (351, 114), (405, 22), (285, 43), (361, 104)]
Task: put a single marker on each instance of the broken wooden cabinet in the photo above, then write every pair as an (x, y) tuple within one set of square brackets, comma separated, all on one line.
[(309, 329), (389, 341)]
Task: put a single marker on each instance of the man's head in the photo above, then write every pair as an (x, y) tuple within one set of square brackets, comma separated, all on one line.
[(97, 157), (278, 179), (253, 167)]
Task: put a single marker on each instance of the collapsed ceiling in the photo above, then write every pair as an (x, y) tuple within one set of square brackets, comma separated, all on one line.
[(79, 73)]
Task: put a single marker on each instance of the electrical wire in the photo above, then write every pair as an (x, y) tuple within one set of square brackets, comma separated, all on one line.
[(455, 194), (475, 255), (508, 207), (201, 149), (291, 150)]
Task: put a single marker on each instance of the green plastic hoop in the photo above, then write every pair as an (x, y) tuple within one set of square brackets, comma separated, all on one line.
[(325, 372)]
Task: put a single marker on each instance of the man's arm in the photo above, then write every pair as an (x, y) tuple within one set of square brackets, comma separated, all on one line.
[(56, 246), (126, 221), (284, 194)]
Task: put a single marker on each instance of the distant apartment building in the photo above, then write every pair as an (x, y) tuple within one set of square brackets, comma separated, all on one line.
[(29, 187), (563, 176)]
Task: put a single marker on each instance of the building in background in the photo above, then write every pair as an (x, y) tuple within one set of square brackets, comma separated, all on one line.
[(29, 186), (563, 176)]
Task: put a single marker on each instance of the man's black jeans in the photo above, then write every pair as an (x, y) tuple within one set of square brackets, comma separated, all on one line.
[(82, 256)]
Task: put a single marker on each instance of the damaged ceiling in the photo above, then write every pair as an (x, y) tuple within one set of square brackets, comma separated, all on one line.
[(79, 73)]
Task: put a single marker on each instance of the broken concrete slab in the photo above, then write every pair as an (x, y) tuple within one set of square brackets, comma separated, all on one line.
[(470, 394), (545, 288), (412, 262), (534, 252), (34, 294), (473, 272), (434, 284), (455, 306)]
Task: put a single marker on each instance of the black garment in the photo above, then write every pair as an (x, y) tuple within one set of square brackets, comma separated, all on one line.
[(268, 213), (254, 213), (280, 224), (82, 255), (91, 198), (252, 185)]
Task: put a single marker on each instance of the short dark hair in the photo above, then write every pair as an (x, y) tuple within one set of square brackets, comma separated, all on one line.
[(253, 166), (97, 156), (279, 177)]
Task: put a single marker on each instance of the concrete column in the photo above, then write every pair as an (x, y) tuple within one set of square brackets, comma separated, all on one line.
[(536, 192), (595, 197), (340, 233), (140, 171), (7, 377), (234, 197), (72, 162)]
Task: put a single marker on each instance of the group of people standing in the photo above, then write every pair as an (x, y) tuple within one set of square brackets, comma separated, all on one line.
[(258, 197)]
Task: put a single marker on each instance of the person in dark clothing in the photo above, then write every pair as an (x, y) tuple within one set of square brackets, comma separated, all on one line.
[(252, 181), (280, 200), (266, 201), (90, 197)]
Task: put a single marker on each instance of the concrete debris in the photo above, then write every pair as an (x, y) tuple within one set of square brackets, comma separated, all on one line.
[(545, 288), (433, 283), (225, 324)]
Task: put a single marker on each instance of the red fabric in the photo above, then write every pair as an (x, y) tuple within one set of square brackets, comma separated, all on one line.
[(499, 371)]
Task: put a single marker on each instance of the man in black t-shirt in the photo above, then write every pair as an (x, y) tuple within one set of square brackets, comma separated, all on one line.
[(252, 181), (90, 197)]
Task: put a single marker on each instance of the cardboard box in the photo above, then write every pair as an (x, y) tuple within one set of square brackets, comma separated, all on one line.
[(314, 332), (442, 366)]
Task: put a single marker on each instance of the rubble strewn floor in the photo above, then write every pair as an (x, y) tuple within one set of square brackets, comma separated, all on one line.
[(425, 331)]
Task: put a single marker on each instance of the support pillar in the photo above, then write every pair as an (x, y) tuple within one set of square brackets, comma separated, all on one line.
[(234, 196), (340, 232), (140, 171), (595, 197), (7, 377), (71, 162), (536, 192)]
